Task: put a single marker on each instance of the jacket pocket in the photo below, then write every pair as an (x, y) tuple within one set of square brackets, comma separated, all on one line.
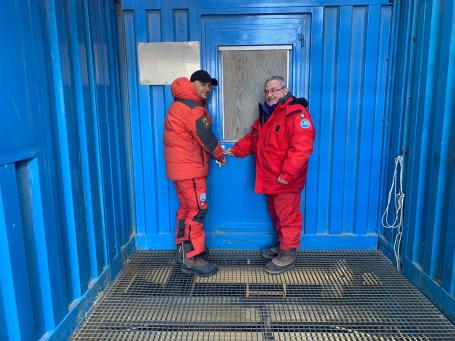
[(276, 137), (273, 161)]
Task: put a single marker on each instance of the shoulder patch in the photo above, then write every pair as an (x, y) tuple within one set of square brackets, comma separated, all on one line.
[(205, 121), (305, 124)]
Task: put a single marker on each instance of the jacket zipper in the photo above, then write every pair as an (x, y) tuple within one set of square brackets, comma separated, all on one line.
[(203, 159)]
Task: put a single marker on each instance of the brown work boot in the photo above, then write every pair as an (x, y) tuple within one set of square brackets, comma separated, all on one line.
[(270, 253), (281, 263), (198, 266)]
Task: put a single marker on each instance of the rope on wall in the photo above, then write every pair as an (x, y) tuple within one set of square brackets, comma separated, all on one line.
[(398, 196)]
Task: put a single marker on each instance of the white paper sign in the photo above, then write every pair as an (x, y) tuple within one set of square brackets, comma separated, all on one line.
[(161, 63)]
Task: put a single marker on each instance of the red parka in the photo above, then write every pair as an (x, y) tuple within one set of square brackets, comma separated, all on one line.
[(188, 136), (282, 147)]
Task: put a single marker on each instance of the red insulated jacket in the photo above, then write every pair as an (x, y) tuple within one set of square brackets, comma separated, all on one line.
[(188, 136), (282, 147)]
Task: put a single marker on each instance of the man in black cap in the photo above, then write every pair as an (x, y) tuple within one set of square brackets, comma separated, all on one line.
[(188, 144), (204, 77), (203, 83)]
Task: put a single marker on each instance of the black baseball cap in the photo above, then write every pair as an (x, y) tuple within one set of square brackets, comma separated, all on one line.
[(203, 76)]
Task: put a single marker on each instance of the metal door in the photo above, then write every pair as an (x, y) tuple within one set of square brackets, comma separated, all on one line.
[(237, 215)]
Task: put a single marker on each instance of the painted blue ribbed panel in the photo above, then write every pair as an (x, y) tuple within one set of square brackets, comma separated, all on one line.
[(15, 280), (124, 123), (167, 199), (154, 35), (103, 116), (35, 242), (424, 91), (115, 128), (312, 205), (133, 108), (118, 126), (64, 207), (145, 114), (3, 323), (181, 25), (339, 107), (165, 222), (97, 232), (81, 87), (380, 124), (349, 127), (325, 128), (62, 119), (348, 58)]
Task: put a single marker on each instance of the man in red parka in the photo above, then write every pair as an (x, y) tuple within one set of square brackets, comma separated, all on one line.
[(282, 141), (188, 144)]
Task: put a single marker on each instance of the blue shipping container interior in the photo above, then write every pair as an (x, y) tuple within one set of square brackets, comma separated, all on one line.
[(82, 176)]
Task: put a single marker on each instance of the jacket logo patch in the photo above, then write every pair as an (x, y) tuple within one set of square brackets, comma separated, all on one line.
[(205, 121), (305, 124), (202, 197)]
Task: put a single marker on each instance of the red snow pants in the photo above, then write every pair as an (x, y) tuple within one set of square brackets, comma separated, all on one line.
[(287, 217), (191, 213)]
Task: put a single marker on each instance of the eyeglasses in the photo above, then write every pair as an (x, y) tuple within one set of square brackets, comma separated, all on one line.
[(272, 91)]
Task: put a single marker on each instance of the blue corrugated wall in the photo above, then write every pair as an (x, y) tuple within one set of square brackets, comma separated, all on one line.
[(422, 120), (65, 221), (349, 67)]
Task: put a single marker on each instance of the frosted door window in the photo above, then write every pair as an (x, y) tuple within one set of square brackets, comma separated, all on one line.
[(244, 73)]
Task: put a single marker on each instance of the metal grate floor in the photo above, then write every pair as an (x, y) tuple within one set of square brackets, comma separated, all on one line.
[(353, 295)]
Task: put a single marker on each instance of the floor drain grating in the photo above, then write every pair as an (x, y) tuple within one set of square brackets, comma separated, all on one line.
[(346, 295)]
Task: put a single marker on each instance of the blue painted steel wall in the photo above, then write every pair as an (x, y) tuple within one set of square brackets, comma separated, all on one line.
[(349, 64), (422, 121), (65, 222)]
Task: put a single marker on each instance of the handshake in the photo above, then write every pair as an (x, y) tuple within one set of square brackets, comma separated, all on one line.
[(228, 152)]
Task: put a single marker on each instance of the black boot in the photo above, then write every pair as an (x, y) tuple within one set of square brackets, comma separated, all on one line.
[(198, 266), (281, 263), (188, 247), (270, 253)]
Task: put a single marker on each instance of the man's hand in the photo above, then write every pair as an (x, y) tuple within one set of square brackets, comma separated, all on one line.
[(221, 163), (282, 181)]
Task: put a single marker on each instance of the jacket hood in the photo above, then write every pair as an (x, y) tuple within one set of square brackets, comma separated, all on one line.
[(182, 88), (302, 101)]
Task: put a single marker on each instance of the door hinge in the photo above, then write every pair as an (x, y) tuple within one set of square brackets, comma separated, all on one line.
[(302, 39)]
